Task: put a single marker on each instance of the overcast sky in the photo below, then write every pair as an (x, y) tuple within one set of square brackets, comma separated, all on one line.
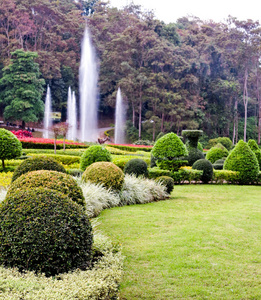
[(170, 10)]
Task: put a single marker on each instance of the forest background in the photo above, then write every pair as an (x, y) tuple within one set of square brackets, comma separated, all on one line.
[(192, 74)]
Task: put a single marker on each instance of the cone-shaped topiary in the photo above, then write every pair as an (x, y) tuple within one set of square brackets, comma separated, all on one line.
[(93, 154), (53, 180), (217, 152), (254, 147), (136, 167), (167, 181), (206, 167), (243, 160), (44, 231), (10, 146), (37, 163), (106, 173)]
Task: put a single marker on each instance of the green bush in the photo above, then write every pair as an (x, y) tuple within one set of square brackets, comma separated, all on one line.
[(156, 172), (254, 147), (75, 172), (225, 141), (10, 146), (219, 164), (137, 167), (153, 161), (192, 136), (216, 153), (52, 180), (243, 160), (44, 231), (121, 160), (225, 176), (194, 155), (186, 176), (206, 167), (63, 159), (172, 165), (94, 154), (106, 173), (167, 181)]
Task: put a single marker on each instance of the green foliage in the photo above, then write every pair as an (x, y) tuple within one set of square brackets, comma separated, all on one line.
[(44, 231), (121, 161), (130, 148), (53, 180), (63, 159), (254, 147), (192, 136), (160, 135), (206, 167), (22, 88), (75, 172), (218, 164), (225, 176), (93, 154), (153, 161), (172, 165), (137, 167), (37, 163), (10, 146), (33, 145), (186, 176), (167, 181), (243, 160), (216, 153), (194, 155), (156, 172), (225, 141), (106, 173), (144, 142)]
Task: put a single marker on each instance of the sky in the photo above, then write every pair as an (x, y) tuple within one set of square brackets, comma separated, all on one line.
[(218, 11)]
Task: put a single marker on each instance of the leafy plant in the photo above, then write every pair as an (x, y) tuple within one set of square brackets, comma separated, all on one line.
[(254, 147), (216, 153), (206, 167), (166, 181), (137, 167)]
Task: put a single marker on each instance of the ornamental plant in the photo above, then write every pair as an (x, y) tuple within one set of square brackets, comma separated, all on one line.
[(137, 167), (217, 152), (225, 141), (254, 147), (44, 231), (167, 181), (93, 154), (243, 160), (53, 180), (10, 146), (169, 152), (206, 167), (192, 145), (106, 173)]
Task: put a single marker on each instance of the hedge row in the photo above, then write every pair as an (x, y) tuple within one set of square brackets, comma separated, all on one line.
[(63, 159), (72, 152), (31, 145), (120, 161), (131, 148)]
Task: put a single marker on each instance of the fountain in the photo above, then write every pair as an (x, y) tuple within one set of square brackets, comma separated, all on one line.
[(119, 119), (88, 91), (47, 113), (71, 115)]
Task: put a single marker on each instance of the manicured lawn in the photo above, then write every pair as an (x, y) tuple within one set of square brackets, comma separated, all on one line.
[(203, 243)]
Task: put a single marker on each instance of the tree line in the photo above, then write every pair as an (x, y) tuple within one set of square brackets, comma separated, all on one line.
[(191, 74)]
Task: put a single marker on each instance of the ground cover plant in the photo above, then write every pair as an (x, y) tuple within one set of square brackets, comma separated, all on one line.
[(200, 244)]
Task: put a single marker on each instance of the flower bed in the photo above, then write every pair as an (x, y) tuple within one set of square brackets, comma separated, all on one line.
[(22, 133)]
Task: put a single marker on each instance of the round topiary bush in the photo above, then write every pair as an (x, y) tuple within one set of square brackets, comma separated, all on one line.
[(254, 147), (218, 165), (44, 231), (194, 155), (167, 181), (53, 180), (206, 167), (216, 153), (225, 141), (106, 173), (169, 152), (94, 154), (243, 160), (37, 163), (10, 146), (136, 167)]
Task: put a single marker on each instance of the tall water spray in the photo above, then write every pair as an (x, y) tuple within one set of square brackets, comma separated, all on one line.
[(47, 113), (71, 115), (119, 135), (88, 90)]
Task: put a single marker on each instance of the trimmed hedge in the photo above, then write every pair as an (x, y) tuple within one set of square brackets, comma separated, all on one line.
[(156, 172), (216, 153), (33, 145), (37, 163), (44, 231), (94, 154), (225, 176), (206, 167), (106, 173), (53, 180), (186, 176), (137, 167), (131, 148), (63, 159), (243, 160), (121, 161)]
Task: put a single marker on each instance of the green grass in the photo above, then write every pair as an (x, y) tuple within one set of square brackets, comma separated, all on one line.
[(203, 243)]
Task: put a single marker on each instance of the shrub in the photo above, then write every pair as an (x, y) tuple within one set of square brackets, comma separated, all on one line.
[(194, 155), (53, 180), (192, 136), (160, 135), (63, 159), (206, 167), (225, 176), (172, 165), (243, 160), (137, 167), (218, 164), (10, 146), (75, 172), (121, 160), (106, 173), (186, 175), (44, 231), (153, 161), (216, 153), (155, 172), (167, 181), (225, 141), (37, 163), (254, 147), (94, 154)]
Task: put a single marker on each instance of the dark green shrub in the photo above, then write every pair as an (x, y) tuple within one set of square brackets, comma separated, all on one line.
[(168, 182), (218, 165), (254, 147), (10, 146), (243, 160), (94, 154), (37, 163), (156, 172), (186, 176), (206, 167), (194, 155), (192, 136), (216, 153), (225, 141), (106, 173), (137, 167), (153, 161), (44, 231), (52, 180)]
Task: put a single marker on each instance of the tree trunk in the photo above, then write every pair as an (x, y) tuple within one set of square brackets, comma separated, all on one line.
[(245, 100), (259, 107), (133, 115), (3, 163), (153, 132), (235, 124), (162, 123), (140, 106), (64, 144), (54, 145)]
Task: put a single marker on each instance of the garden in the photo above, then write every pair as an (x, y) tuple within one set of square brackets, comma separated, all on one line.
[(109, 221)]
